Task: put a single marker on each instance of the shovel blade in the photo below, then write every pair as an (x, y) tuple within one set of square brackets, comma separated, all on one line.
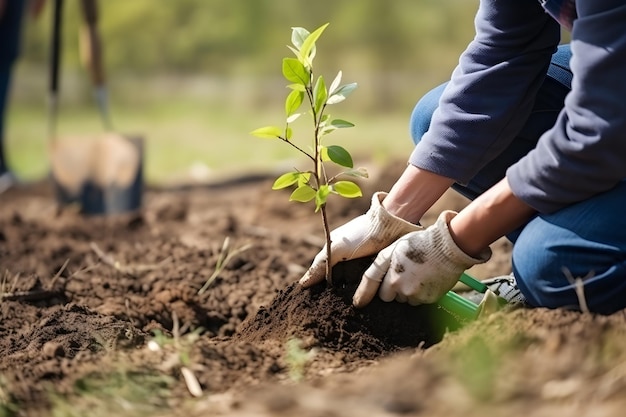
[(102, 175)]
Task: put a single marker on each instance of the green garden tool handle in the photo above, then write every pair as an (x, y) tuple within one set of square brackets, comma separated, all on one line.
[(473, 283), (461, 307)]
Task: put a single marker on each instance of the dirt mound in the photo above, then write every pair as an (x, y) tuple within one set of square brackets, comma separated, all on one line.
[(324, 316)]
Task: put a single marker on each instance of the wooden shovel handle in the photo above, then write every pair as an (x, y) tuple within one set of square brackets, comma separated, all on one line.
[(90, 43)]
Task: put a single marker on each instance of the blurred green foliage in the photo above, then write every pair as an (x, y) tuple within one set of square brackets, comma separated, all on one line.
[(195, 76), (245, 36)]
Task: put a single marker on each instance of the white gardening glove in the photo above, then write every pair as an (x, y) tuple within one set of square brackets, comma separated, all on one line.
[(418, 268), (362, 236)]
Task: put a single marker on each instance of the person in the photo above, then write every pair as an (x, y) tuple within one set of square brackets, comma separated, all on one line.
[(535, 135), (11, 22), (11, 12)]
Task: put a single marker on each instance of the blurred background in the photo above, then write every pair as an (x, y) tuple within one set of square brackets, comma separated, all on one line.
[(194, 77)]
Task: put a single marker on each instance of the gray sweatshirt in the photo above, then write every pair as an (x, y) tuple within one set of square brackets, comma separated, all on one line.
[(492, 91)]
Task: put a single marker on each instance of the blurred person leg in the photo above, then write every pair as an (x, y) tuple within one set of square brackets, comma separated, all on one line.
[(11, 16), (4, 86)]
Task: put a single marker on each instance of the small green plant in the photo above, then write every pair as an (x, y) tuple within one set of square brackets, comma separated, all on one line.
[(315, 184), (297, 358)]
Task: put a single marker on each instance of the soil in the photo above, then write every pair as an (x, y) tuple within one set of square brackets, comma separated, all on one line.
[(103, 316)]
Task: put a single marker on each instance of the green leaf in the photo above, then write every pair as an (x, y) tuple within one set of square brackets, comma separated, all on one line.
[(347, 189), (293, 102), (291, 178), (267, 132), (304, 178), (303, 194), (286, 180), (334, 125), (341, 93), (321, 196), (327, 129), (293, 117), (298, 35), (340, 156), (320, 94), (335, 83), (298, 87), (341, 124), (357, 172), (307, 50), (294, 71), (295, 51), (324, 154), (288, 133)]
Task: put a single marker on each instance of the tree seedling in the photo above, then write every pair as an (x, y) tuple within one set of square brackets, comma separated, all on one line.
[(315, 184)]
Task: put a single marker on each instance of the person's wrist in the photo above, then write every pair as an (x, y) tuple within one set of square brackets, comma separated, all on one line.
[(385, 223), (471, 247), (490, 216), (414, 193), (450, 249)]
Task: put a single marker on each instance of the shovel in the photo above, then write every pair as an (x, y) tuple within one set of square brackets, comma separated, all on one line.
[(91, 57), (102, 174)]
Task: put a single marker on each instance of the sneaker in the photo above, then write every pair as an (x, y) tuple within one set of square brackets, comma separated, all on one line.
[(7, 180), (506, 287)]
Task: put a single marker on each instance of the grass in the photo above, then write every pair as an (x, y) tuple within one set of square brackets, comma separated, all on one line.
[(194, 134), (115, 392), (125, 388)]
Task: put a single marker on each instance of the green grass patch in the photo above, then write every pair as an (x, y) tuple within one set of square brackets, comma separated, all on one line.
[(117, 393), (191, 136)]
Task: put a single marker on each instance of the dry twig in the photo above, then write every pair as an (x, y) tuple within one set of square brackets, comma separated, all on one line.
[(132, 270), (30, 295), (579, 287), (224, 258), (58, 274)]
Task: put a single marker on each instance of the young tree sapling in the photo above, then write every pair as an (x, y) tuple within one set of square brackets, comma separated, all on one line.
[(314, 184)]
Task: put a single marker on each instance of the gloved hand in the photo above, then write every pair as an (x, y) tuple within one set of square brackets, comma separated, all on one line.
[(362, 236), (418, 268)]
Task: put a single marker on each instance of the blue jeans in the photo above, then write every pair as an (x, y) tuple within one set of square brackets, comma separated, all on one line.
[(587, 239), (10, 27)]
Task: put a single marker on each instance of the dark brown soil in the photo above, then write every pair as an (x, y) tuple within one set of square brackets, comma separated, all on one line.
[(102, 316)]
